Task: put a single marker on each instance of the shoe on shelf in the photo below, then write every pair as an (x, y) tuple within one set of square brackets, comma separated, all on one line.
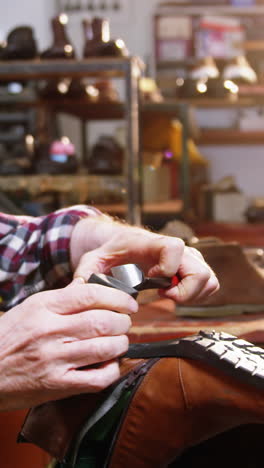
[(61, 46), (255, 211), (204, 385), (239, 71), (98, 42), (64, 88), (106, 157), (106, 91), (241, 282), (203, 80), (149, 91), (204, 69), (20, 45), (177, 228), (57, 158), (101, 91)]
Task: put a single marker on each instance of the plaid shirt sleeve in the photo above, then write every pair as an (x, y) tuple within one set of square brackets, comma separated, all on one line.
[(34, 252)]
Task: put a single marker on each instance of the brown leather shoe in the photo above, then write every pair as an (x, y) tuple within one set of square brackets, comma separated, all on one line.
[(241, 282), (98, 42), (20, 44), (206, 403), (106, 157), (61, 46), (173, 403)]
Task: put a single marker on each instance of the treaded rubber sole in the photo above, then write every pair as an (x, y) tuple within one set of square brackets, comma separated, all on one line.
[(218, 311), (234, 356)]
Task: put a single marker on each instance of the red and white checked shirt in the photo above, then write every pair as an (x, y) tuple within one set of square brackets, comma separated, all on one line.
[(34, 252)]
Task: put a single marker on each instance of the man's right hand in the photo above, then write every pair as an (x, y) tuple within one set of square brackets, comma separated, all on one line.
[(47, 339)]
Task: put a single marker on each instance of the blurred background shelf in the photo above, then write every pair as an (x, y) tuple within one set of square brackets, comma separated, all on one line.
[(230, 137), (210, 9), (129, 69), (166, 207), (106, 67), (211, 103)]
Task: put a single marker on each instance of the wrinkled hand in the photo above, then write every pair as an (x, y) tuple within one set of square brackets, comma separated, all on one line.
[(157, 255), (47, 339)]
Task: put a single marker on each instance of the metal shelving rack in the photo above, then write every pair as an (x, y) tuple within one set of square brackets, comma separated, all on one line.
[(127, 68)]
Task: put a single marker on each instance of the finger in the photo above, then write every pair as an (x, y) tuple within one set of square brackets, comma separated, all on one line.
[(92, 380), (158, 255), (211, 287), (82, 297), (195, 274), (94, 323), (86, 352), (190, 289)]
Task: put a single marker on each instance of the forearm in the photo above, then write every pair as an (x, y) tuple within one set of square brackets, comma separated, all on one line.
[(35, 252)]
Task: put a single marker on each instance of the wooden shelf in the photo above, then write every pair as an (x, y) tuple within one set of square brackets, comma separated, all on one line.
[(85, 186), (84, 109), (198, 10), (107, 67), (230, 137), (166, 207), (211, 103), (79, 183)]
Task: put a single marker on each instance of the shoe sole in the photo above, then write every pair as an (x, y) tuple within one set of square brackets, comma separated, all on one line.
[(234, 356), (219, 311)]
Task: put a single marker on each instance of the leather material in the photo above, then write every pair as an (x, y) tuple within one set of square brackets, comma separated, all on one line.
[(52, 426), (106, 157), (106, 91), (61, 46), (177, 404), (241, 282), (97, 40), (20, 44)]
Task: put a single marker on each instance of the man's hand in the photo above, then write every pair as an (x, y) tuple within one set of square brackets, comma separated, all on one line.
[(47, 339), (158, 255)]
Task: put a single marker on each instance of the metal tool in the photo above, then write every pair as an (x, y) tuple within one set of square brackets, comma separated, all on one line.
[(131, 279)]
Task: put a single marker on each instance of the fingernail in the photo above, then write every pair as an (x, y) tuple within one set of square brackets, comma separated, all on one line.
[(133, 306)]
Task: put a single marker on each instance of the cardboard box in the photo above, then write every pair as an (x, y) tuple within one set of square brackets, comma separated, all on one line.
[(222, 206), (156, 184)]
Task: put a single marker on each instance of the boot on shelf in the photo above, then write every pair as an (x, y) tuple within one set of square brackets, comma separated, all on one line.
[(107, 157), (98, 42), (61, 46), (57, 158), (239, 71), (203, 80), (20, 45), (106, 91)]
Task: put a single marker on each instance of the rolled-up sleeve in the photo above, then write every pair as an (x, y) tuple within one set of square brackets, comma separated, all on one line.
[(35, 254)]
